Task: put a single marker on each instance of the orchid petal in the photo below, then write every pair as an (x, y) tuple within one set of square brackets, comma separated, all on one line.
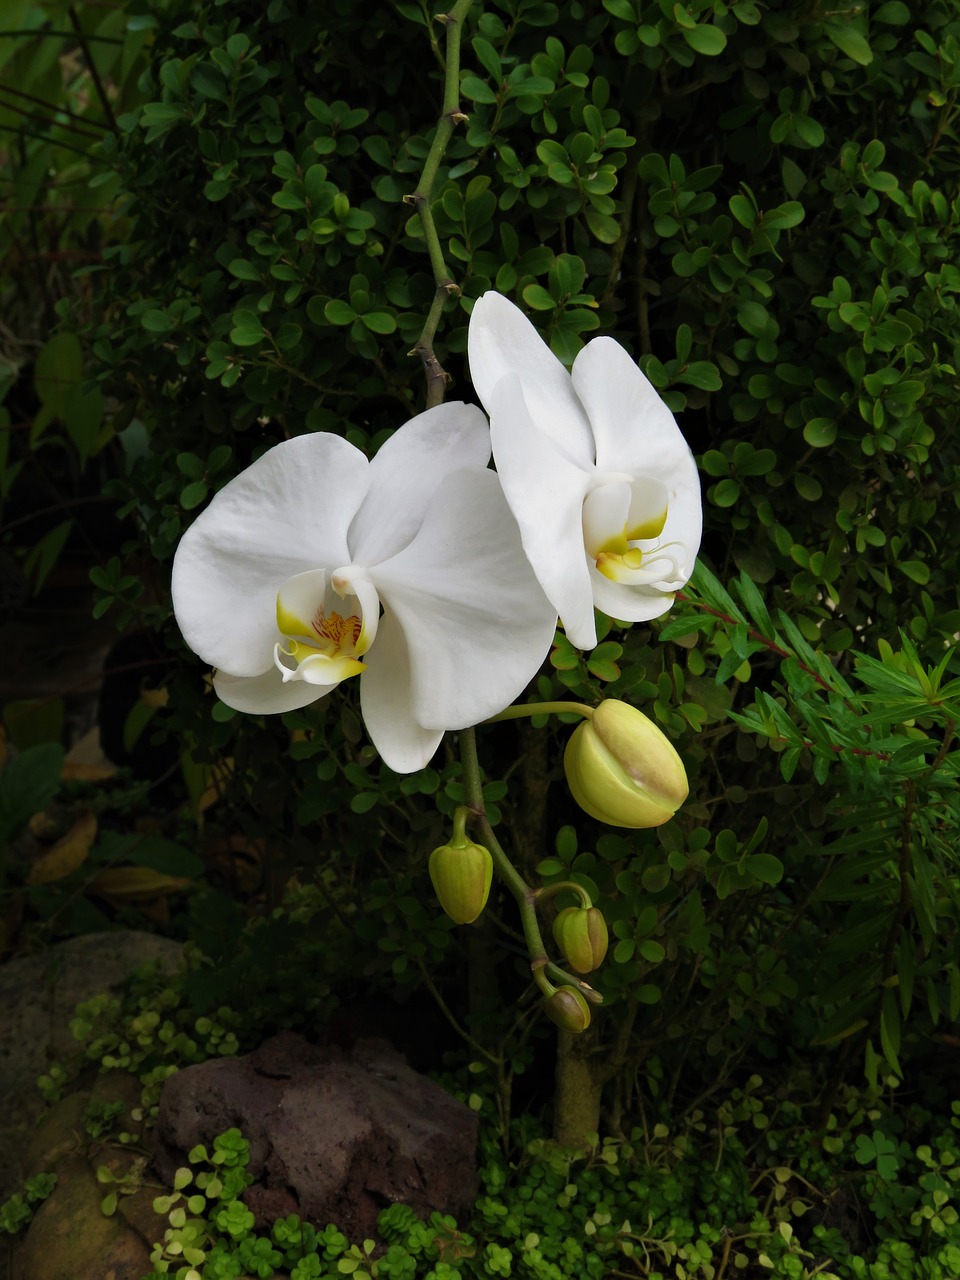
[(265, 694), (502, 341), (285, 514), (476, 624), (385, 703), (635, 432), (405, 472), (545, 491)]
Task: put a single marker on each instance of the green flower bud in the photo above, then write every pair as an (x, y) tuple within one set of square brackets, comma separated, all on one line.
[(581, 934), (461, 872), (568, 1009), (623, 770)]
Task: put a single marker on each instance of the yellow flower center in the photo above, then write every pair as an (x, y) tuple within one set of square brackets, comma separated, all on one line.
[(341, 633)]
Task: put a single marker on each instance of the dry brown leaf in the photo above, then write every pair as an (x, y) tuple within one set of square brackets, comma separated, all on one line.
[(217, 778), (136, 883), (155, 697), (69, 852), (43, 826), (77, 771), (86, 762)]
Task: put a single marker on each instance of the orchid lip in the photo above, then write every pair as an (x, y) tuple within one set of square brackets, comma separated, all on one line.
[(623, 517), (328, 622), (638, 568)]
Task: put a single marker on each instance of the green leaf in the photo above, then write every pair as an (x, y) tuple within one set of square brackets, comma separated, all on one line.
[(247, 329), (916, 570), (765, 867), (155, 321), (193, 494), (551, 867), (726, 492), (379, 321), (44, 555), (701, 374), (705, 39), (27, 785), (59, 364), (535, 296), (339, 312), (850, 42), (622, 9), (820, 433), (240, 268), (487, 56), (895, 14), (606, 229), (743, 210), (787, 215), (477, 90)]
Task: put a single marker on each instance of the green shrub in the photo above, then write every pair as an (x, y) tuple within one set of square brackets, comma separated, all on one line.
[(762, 206)]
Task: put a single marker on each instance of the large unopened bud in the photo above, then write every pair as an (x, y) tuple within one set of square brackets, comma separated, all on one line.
[(461, 872), (568, 1009), (581, 934), (623, 770)]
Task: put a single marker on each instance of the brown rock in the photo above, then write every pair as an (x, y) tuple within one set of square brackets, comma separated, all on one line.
[(70, 1239), (62, 1130), (38, 996), (334, 1136), (69, 1236)]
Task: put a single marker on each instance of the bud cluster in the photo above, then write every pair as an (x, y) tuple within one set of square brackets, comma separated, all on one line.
[(622, 770)]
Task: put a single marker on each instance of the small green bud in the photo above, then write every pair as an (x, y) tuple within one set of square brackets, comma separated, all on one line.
[(581, 934), (568, 1009), (621, 769), (462, 873)]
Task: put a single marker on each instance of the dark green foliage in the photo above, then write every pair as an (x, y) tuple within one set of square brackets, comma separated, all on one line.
[(762, 205), (741, 1183)]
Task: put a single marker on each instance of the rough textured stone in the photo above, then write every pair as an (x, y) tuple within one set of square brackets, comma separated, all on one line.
[(38, 995), (69, 1237), (334, 1136)]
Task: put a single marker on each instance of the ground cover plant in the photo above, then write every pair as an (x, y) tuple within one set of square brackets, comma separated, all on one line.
[(761, 207), (734, 1183)]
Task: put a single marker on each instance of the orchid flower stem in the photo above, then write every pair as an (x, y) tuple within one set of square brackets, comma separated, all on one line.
[(526, 896), (523, 710), (590, 994), (549, 891), (422, 199), (511, 877)]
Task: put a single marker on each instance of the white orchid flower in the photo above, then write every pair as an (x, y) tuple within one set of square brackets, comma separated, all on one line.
[(279, 583), (601, 482)]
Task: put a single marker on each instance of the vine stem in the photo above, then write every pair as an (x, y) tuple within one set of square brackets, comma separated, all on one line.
[(422, 199)]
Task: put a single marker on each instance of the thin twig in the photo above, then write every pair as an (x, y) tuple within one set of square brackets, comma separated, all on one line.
[(92, 66), (49, 106), (422, 199)]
